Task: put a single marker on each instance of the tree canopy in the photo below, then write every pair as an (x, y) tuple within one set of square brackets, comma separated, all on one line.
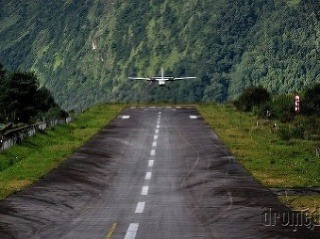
[(251, 97), (311, 100), (21, 98)]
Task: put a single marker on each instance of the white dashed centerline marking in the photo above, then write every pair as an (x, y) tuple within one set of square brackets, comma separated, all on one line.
[(153, 152), (148, 175), (145, 190), (132, 231), (150, 163), (140, 207), (193, 117), (133, 227)]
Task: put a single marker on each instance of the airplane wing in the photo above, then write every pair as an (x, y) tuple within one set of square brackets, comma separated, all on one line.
[(139, 78), (184, 78)]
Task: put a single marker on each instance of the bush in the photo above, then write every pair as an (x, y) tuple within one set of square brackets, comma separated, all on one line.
[(252, 97), (306, 127), (282, 107), (311, 101), (286, 117), (262, 110), (298, 131), (284, 133)]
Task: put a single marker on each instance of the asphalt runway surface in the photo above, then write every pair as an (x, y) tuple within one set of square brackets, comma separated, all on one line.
[(151, 173)]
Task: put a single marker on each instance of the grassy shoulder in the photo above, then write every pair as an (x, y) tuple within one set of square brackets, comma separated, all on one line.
[(26, 163), (309, 204), (272, 161)]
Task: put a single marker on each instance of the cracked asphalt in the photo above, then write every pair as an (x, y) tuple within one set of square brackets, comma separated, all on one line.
[(156, 172)]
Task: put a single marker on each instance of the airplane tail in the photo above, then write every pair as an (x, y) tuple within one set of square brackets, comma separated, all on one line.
[(162, 73)]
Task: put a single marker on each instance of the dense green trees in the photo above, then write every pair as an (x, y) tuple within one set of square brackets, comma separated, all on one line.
[(80, 47), (252, 97), (21, 98), (3, 92), (311, 101)]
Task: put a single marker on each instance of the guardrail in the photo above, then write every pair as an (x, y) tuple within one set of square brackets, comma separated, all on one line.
[(16, 136)]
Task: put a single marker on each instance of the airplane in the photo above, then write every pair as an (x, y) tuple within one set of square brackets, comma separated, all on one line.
[(161, 79)]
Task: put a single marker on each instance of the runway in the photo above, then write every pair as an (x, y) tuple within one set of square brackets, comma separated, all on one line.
[(153, 172)]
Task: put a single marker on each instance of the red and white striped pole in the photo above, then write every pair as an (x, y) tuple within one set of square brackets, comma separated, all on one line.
[(297, 104)]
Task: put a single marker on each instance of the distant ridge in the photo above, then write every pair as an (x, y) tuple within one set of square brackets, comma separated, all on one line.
[(84, 50)]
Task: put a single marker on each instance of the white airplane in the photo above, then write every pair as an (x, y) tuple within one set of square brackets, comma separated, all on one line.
[(161, 79)]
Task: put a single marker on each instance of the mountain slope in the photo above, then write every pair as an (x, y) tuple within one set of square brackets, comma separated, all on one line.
[(84, 50)]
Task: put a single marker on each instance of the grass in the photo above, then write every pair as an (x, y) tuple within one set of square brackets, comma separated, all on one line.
[(270, 160), (308, 204), (274, 162), (24, 164)]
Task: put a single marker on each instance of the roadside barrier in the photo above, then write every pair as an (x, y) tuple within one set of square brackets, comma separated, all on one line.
[(16, 136)]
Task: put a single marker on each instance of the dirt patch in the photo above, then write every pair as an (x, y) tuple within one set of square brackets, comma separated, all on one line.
[(19, 184)]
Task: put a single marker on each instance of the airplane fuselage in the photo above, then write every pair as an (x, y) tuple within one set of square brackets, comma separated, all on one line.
[(161, 79), (161, 82)]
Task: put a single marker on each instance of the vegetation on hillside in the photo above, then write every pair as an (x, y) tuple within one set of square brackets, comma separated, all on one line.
[(23, 100), (83, 51)]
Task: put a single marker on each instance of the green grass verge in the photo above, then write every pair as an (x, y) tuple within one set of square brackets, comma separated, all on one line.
[(308, 204), (24, 164), (270, 160), (274, 162)]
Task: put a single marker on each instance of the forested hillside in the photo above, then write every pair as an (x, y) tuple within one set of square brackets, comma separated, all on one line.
[(84, 50)]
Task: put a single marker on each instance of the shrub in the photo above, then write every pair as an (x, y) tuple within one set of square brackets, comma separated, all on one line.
[(298, 131), (307, 127), (252, 97), (262, 110), (284, 133), (311, 101), (286, 117), (282, 107)]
